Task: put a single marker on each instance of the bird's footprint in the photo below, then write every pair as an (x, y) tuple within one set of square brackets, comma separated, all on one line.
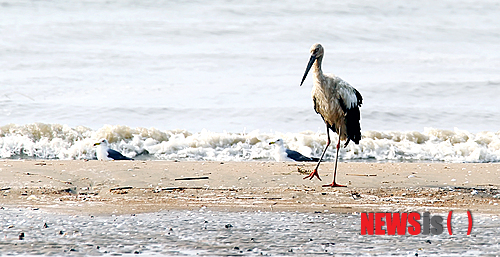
[(303, 171)]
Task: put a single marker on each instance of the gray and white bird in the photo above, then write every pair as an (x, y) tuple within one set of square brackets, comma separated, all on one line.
[(338, 104), (283, 154), (104, 153)]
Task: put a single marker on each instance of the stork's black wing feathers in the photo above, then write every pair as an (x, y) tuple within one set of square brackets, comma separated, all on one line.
[(352, 119), (359, 97), (352, 123), (116, 155), (296, 156)]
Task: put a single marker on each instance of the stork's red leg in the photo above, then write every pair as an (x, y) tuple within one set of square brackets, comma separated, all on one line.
[(333, 184), (315, 173)]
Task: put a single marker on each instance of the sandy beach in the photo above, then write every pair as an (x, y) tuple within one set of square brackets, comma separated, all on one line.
[(127, 187)]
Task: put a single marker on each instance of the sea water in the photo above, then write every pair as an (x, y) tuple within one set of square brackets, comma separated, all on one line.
[(217, 80), (54, 141), (234, 66)]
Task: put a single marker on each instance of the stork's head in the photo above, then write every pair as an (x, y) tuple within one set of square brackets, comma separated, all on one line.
[(103, 142), (317, 52)]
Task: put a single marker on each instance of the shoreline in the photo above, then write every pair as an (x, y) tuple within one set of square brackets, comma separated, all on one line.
[(128, 187)]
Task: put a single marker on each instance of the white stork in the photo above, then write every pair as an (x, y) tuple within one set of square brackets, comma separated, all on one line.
[(338, 104)]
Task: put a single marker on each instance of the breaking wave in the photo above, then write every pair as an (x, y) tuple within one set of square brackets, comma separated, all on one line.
[(55, 141)]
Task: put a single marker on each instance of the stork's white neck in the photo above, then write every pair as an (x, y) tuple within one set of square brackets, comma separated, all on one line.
[(318, 73)]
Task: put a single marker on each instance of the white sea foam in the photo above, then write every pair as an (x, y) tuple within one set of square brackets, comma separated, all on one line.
[(54, 141)]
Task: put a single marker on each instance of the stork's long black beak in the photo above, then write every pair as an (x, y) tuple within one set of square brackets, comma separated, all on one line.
[(309, 65)]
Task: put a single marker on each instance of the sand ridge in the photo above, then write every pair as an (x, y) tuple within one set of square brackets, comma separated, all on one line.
[(118, 187)]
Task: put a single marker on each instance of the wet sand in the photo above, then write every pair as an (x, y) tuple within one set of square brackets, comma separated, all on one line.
[(212, 233), (128, 187)]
